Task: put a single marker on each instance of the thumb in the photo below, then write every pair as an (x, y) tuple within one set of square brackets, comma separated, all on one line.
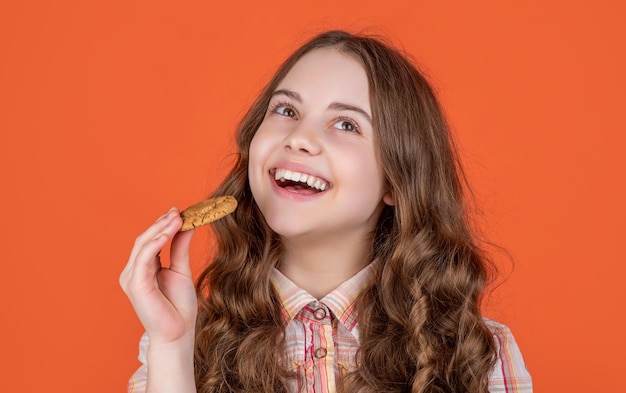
[(179, 253)]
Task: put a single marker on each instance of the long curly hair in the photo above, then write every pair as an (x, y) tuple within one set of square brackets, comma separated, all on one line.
[(420, 325)]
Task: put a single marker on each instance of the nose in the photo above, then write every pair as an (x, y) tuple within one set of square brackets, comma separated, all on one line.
[(304, 138)]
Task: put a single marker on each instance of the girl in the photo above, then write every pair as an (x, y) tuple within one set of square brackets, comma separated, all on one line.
[(349, 264)]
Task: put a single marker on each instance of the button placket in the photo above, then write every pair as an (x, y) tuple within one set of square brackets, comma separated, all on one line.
[(320, 353), (320, 313)]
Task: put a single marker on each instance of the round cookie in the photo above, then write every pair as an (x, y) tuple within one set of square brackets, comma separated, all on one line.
[(205, 212)]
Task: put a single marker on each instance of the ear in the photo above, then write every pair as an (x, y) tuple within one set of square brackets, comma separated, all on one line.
[(388, 199)]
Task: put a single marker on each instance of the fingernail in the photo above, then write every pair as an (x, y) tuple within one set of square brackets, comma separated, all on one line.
[(165, 214)]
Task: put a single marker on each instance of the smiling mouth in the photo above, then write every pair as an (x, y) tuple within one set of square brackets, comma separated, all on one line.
[(299, 182)]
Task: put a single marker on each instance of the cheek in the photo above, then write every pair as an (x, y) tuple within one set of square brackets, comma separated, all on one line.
[(257, 147), (260, 150), (260, 140), (364, 166)]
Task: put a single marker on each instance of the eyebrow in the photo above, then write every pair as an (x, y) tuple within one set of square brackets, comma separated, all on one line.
[(338, 106)]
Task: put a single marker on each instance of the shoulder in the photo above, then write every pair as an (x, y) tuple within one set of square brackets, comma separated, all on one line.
[(509, 373)]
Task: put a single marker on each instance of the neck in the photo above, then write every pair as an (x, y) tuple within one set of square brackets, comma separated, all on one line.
[(320, 266)]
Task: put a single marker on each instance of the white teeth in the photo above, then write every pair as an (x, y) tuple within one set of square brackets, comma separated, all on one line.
[(310, 180)]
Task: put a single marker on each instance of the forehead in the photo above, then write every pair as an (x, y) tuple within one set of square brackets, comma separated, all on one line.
[(329, 73)]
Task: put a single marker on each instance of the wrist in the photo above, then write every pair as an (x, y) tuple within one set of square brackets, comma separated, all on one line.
[(171, 366), (170, 342), (179, 349)]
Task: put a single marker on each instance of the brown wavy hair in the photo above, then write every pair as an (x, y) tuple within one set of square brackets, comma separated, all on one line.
[(420, 324)]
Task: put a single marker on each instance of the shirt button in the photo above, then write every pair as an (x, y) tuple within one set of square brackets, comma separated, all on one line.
[(320, 313), (320, 353)]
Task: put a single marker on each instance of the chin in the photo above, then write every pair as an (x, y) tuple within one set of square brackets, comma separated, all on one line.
[(286, 230)]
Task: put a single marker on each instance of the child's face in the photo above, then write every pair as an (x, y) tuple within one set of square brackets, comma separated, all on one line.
[(318, 130)]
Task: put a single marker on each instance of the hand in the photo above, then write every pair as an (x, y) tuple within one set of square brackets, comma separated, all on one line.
[(163, 298)]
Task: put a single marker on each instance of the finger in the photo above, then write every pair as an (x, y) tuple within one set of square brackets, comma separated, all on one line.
[(140, 243), (179, 253), (158, 226), (153, 231), (146, 263), (143, 265)]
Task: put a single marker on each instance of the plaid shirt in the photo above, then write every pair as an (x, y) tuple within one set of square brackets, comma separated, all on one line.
[(322, 339)]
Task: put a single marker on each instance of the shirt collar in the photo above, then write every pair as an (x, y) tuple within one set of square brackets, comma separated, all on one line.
[(341, 301)]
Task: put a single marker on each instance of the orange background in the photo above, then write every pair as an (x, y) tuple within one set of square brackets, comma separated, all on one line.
[(112, 111)]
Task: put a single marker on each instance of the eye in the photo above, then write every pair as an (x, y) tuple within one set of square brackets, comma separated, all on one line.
[(284, 110), (346, 125)]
